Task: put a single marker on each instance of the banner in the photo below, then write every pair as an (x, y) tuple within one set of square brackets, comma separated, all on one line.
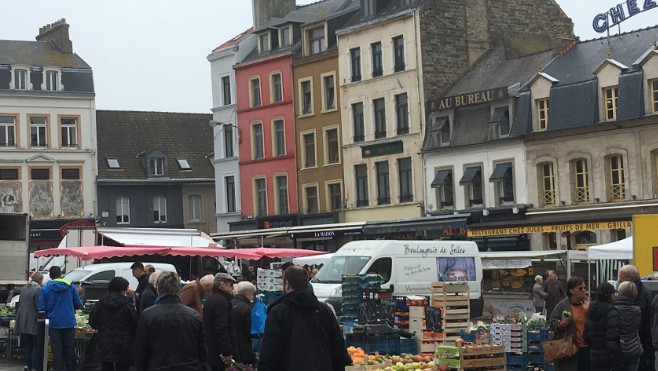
[(575, 227)]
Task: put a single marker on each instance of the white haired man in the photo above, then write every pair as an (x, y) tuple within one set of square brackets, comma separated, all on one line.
[(170, 335), (538, 294), (192, 293), (243, 351)]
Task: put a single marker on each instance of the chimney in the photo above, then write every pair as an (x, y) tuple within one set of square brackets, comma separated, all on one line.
[(264, 10), (58, 34)]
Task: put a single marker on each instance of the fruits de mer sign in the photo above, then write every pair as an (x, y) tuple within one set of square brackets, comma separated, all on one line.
[(617, 14)]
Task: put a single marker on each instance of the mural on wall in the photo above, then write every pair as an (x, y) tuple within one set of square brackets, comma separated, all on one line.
[(10, 197), (41, 198), (72, 204)]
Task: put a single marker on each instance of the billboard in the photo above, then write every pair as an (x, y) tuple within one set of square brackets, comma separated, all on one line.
[(645, 243)]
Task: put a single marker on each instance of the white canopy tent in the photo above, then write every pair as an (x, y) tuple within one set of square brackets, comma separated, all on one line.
[(610, 257)]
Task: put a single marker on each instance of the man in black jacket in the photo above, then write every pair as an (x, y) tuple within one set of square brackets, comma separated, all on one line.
[(217, 322), (602, 332), (170, 336), (642, 300), (243, 351), (300, 332)]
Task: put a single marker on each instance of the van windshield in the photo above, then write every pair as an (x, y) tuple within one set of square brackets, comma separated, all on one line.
[(332, 271), (76, 275)]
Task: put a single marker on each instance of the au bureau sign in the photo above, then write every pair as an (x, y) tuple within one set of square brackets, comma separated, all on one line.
[(576, 227), (469, 99)]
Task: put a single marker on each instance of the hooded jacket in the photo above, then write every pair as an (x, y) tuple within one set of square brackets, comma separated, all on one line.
[(243, 351), (301, 334), (115, 319), (59, 299), (630, 317), (602, 334)]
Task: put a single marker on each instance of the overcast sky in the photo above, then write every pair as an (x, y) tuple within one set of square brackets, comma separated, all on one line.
[(150, 55)]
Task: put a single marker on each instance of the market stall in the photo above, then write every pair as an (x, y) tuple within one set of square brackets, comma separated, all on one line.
[(509, 276), (610, 257)]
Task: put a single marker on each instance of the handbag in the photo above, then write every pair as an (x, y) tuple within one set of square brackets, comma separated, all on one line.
[(559, 349)]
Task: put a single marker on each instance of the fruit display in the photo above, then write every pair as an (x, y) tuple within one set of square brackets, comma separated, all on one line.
[(81, 319), (400, 362)]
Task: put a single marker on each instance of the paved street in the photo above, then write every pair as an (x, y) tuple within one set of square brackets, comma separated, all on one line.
[(11, 365)]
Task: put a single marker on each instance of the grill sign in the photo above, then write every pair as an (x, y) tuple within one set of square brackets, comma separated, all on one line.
[(617, 14)]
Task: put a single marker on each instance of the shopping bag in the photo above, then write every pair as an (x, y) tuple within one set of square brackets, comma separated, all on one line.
[(559, 349)]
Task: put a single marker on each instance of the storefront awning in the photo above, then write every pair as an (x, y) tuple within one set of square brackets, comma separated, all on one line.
[(430, 223), (441, 177), (500, 115), (499, 171), (470, 175)]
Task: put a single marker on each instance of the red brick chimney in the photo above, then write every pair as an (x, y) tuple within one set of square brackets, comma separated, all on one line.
[(58, 34)]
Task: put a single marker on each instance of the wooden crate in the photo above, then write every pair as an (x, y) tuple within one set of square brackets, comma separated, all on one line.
[(449, 287), (454, 301), (490, 357)]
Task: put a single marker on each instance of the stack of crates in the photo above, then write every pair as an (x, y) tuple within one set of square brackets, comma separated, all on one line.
[(353, 286), (511, 335), (535, 351), (401, 313)]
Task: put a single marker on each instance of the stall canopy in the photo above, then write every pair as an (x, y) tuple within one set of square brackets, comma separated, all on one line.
[(618, 250), (155, 237), (98, 252), (516, 259), (313, 260)]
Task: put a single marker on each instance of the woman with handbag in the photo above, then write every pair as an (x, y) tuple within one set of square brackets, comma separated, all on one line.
[(567, 321), (602, 332)]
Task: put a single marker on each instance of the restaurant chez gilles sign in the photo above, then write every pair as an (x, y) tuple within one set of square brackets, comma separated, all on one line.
[(621, 13)]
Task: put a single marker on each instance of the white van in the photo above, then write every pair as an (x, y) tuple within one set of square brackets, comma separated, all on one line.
[(97, 273), (407, 267)]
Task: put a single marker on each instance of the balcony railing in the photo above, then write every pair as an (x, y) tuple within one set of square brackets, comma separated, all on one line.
[(618, 192), (582, 194), (548, 197)]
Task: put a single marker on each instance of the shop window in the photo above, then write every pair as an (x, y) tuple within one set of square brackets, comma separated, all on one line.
[(616, 179), (546, 184), (585, 239), (383, 183), (610, 103), (580, 173), (618, 234), (382, 267), (550, 240), (472, 182)]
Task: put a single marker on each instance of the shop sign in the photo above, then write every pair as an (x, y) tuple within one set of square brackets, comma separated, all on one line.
[(575, 227), (620, 13), (382, 149), (278, 222), (469, 99), (505, 263)]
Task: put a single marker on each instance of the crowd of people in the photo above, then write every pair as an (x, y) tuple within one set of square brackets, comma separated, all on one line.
[(617, 330), (161, 326)]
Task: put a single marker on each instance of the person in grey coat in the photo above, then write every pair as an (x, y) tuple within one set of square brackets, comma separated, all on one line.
[(630, 317), (538, 294), (26, 317)]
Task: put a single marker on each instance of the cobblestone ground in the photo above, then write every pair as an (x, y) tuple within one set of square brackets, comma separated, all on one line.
[(11, 364)]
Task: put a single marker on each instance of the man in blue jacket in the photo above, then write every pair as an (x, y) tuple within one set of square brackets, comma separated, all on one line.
[(59, 299)]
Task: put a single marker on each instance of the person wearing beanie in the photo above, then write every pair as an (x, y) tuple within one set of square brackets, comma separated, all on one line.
[(602, 332)]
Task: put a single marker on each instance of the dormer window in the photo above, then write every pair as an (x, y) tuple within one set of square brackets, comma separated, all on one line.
[(499, 122), (284, 36), (610, 103), (369, 7), (440, 132), (183, 164), (52, 80), (316, 40), (542, 113), (653, 95), (156, 164), (20, 78), (113, 163), (264, 42)]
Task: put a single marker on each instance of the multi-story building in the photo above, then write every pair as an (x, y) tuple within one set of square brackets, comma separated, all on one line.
[(225, 120), (47, 133), (155, 170), (266, 119)]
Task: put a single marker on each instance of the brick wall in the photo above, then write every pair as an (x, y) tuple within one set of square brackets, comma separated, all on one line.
[(455, 34)]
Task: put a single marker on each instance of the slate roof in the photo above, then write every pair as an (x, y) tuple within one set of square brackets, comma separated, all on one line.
[(129, 135), (390, 9), (38, 53)]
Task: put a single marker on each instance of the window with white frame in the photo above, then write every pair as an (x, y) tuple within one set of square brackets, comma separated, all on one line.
[(277, 89), (308, 146), (398, 53), (123, 210), (653, 95), (580, 171), (69, 132), (383, 183), (368, 7), (610, 103), (257, 151), (7, 131), (617, 183), (357, 122), (230, 194), (254, 92), (355, 64), (156, 166), (473, 188), (406, 180), (361, 181), (329, 92), (311, 196), (332, 146), (542, 113), (226, 90), (306, 96), (335, 196), (546, 183), (20, 78), (228, 140), (279, 137), (38, 131), (159, 209), (194, 203), (316, 40), (281, 183), (52, 80), (440, 132), (260, 189), (379, 111)]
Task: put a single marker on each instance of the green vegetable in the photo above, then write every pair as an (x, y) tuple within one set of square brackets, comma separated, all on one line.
[(566, 313)]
